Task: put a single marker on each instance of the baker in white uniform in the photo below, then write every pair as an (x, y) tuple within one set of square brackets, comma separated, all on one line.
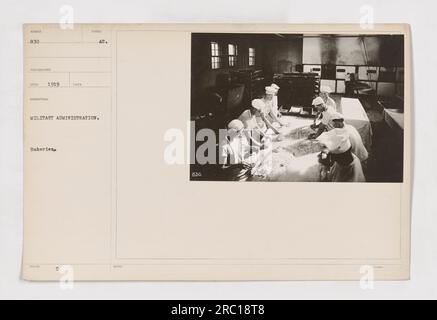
[(355, 139), (275, 108), (270, 110), (325, 94), (324, 116), (253, 122), (346, 165), (235, 147), (239, 160)]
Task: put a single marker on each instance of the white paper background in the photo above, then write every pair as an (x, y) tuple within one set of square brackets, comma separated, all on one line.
[(420, 14)]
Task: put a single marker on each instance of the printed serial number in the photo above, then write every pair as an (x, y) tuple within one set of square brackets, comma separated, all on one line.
[(239, 310)]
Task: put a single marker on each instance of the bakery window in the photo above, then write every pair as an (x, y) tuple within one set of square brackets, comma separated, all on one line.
[(251, 56), (215, 56), (233, 55)]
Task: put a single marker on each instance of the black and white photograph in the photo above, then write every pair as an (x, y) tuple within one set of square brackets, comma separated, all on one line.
[(297, 107)]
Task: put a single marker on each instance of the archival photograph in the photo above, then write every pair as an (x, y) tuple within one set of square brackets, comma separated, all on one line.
[(297, 108)]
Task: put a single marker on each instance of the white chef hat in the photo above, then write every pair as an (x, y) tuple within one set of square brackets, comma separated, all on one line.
[(258, 104), (317, 101), (275, 86), (337, 141), (270, 90), (325, 89), (236, 125)]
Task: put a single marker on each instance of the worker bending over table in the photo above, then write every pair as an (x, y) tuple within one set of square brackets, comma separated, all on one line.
[(238, 158), (325, 93), (357, 144), (275, 108), (324, 115), (256, 123), (253, 122), (339, 155), (271, 108), (235, 152)]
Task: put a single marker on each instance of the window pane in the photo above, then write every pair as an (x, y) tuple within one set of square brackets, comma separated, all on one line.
[(231, 49), (215, 62), (232, 61), (214, 49)]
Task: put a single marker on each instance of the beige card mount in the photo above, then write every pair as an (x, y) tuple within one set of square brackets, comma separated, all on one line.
[(115, 190)]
